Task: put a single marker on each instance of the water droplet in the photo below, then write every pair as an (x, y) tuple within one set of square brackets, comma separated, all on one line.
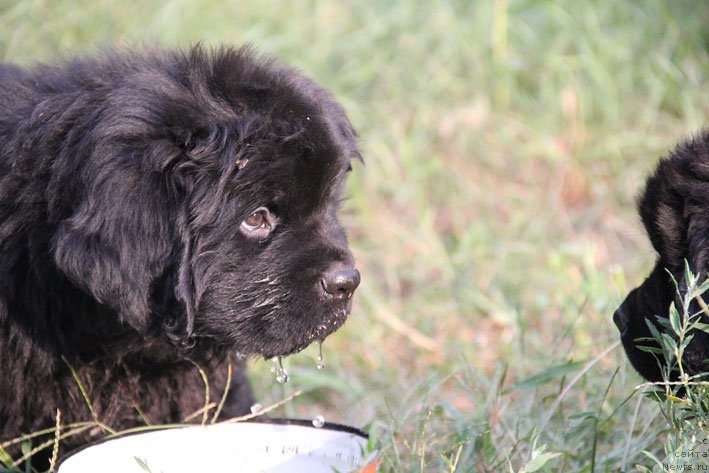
[(320, 364), (240, 355), (318, 422), (256, 408), (281, 374)]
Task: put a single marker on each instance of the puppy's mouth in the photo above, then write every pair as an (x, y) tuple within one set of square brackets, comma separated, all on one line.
[(325, 327)]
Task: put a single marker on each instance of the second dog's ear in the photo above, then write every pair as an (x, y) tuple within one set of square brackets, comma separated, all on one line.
[(697, 244), (661, 207), (673, 207)]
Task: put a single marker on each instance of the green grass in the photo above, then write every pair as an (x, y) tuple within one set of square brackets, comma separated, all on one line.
[(493, 221)]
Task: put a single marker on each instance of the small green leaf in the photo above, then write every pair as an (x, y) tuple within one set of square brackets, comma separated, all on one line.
[(675, 321), (667, 343), (703, 287), (653, 330), (5, 458), (143, 464), (688, 275), (538, 461), (685, 344), (26, 447), (647, 349), (663, 322), (653, 458), (701, 326)]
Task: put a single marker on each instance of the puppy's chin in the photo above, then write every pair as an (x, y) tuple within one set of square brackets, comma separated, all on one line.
[(280, 330), (328, 325)]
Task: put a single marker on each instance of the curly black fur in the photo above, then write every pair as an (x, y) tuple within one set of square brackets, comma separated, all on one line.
[(124, 182), (675, 211)]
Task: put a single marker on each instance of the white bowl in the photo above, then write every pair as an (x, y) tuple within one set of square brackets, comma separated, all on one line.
[(287, 445)]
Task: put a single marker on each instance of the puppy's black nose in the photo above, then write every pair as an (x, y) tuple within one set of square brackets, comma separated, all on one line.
[(341, 283), (621, 320)]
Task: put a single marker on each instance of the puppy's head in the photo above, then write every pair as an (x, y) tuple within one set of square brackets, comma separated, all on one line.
[(674, 208), (211, 199)]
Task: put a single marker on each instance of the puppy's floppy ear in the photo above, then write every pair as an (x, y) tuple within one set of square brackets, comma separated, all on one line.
[(184, 288), (117, 242), (172, 298), (127, 229)]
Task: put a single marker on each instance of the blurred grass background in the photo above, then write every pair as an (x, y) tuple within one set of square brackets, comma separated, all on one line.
[(493, 221)]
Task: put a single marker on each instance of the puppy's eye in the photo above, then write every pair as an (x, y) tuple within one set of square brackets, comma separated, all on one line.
[(256, 220), (258, 225)]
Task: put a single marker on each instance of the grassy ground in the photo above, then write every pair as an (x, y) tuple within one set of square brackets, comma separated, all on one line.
[(493, 220)]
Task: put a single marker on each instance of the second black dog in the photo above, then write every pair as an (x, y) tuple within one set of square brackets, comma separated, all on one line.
[(675, 211)]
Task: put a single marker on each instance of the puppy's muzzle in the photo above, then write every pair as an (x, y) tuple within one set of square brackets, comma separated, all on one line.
[(341, 283)]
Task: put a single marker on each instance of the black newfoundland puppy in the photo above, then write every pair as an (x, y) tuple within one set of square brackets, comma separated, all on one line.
[(675, 211), (161, 211)]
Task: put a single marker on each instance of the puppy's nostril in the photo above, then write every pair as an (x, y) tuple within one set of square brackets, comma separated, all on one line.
[(341, 283)]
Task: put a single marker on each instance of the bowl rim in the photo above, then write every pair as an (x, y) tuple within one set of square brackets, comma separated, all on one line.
[(300, 422), (309, 423)]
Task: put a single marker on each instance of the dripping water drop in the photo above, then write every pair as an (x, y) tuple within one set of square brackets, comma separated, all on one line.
[(320, 364), (318, 421), (281, 374)]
